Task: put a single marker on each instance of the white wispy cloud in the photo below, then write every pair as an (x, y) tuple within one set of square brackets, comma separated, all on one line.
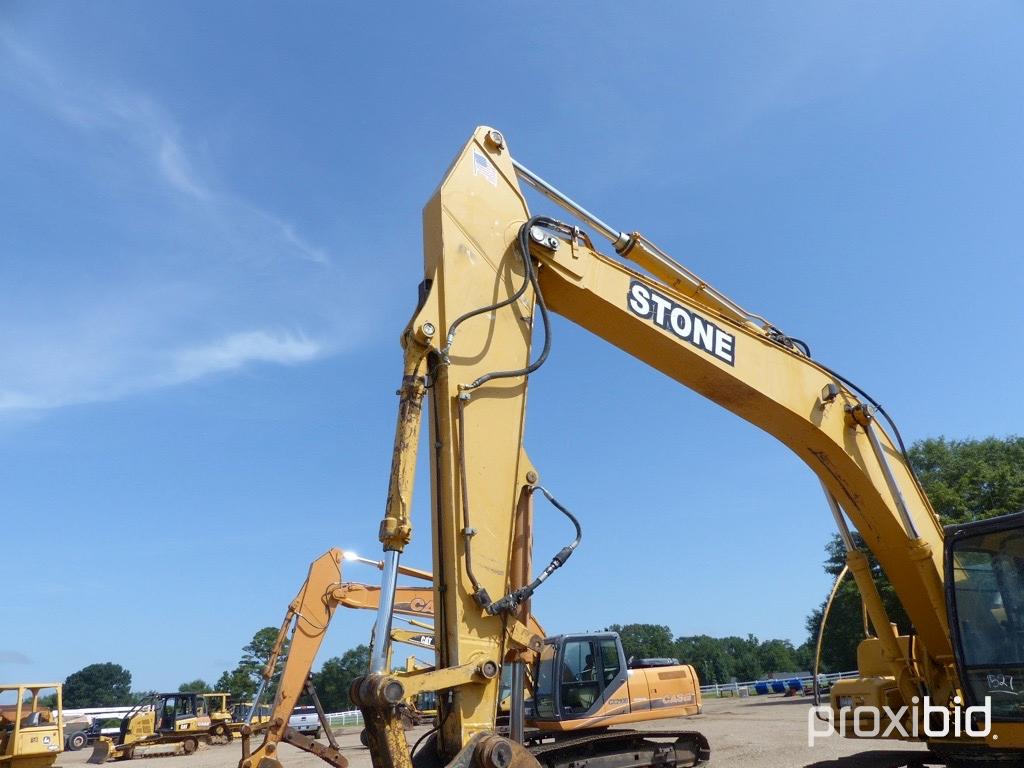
[(238, 349), (165, 274), (13, 657), (176, 171)]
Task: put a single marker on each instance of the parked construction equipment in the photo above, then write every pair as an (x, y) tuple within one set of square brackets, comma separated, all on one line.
[(161, 724), (216, 706), (571, 670), (31, 734), (303, 629)]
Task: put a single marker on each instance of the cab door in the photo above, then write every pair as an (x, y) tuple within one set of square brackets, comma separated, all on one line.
[(581, 686), (614, 676)]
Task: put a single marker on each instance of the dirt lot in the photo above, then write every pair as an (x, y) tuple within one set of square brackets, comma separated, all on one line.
[(763, 732)]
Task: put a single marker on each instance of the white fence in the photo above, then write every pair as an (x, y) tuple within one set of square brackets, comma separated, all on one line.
[(341, 719), (734, 689), (88, 712)]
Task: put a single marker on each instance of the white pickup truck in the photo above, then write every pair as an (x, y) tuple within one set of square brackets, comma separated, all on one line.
[(305, 721)]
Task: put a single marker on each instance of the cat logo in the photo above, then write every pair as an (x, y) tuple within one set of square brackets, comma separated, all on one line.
[(420, 605)]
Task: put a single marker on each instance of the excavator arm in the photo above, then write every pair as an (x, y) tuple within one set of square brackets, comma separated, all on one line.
[(493, 274), (302, 632)]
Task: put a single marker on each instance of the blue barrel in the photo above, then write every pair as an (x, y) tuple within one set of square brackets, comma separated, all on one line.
[(795, 685), (761, 689), (779, 686)]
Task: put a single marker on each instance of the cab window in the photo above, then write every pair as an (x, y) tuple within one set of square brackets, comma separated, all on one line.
[(609, 661), (988, 593), (581, 688), (544, 694)]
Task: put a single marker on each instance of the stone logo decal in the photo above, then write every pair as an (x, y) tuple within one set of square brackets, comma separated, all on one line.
[(643, 301)]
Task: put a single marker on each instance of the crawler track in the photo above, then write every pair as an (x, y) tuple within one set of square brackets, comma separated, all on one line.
[(621, 749)]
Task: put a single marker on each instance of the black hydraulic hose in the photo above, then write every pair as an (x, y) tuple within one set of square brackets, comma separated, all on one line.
[(488, 308), (435, 729), (530, 278), (513, 599), (805, 348), (889, 419), (468, 532), (802, 344), (523, 240)]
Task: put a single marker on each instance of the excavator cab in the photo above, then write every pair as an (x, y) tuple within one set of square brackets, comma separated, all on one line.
[(576, 677), (584, 681), (985, 595)]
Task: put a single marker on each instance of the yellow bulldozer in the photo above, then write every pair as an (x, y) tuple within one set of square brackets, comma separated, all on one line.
[(162, 724), (31, 735)]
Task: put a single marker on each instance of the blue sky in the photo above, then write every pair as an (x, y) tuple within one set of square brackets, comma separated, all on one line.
[(212, 240)]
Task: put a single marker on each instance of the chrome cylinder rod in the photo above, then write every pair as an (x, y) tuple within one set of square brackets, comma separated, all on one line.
[(844, 530), (890, 479), (517, 713), (256, 701), (662, 265), (382, 626), (618, 239)]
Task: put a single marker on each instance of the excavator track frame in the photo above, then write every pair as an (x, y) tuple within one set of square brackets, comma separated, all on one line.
[(621, 747)]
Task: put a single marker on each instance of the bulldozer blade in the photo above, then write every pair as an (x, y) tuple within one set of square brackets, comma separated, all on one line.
[(102, 750)]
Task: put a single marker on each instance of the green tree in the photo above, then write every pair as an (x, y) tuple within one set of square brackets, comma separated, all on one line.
[(707, 656), (964, 480), (244, 679), (195, 686), (743, 656), (257, 652), (239, 684), (98, 685), (971, 479), (335, 677), (778, 656), (644, 641)]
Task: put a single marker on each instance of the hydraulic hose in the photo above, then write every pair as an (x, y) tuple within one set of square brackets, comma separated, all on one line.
[(523, 241), (513, 599), (821, 634)]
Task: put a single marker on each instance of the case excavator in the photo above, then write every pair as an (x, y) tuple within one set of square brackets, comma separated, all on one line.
[(493, 274)]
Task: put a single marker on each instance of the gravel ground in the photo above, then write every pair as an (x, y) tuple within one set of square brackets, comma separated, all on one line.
[(760, 732)]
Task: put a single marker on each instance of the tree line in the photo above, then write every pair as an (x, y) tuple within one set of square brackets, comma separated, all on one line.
[(716, 659), (110, 685), (964, 479)]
